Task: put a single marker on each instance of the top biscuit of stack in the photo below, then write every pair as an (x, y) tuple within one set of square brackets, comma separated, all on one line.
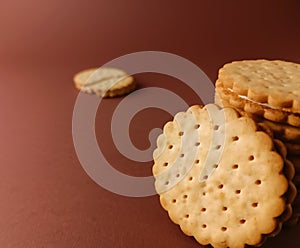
[(269, 85)]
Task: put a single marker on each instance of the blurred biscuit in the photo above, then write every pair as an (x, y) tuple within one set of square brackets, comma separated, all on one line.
[(106, 82)]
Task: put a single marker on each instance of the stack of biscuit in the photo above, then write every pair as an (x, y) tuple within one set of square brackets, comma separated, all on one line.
[(269, 92), (227, 173)]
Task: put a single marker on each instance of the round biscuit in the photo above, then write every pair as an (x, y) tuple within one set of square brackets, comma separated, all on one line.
[(107, 82), (241, 200), (272, 82), (256, 108)]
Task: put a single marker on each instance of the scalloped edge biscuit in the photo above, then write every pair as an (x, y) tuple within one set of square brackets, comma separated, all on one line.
[(291, 160), (272, 82), (282, 131), (244, 200), (103, 81), (268, 113)]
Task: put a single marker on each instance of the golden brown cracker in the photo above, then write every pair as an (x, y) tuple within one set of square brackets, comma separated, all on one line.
[(281, 131), (276, 115), (271, 82), (106, 82), (240, 201)]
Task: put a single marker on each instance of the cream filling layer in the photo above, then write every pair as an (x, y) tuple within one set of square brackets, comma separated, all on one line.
[(250, 100)]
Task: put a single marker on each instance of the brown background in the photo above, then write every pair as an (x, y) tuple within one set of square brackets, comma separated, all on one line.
[(46, 198)]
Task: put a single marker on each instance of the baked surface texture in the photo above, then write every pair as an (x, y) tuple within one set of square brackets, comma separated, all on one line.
[(272, 114), (272, 82), (106, 82), (242, 198)]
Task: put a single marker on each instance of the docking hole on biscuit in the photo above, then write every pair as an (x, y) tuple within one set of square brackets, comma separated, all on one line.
[(218, 147), (230, 194), (258, 182), (242, 221), (216, 127), (235, 166), (197, 126)]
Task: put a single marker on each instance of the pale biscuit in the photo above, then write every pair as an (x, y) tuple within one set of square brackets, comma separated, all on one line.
[(288, 134), (292, 173), (275, 83), (292, 163), (106, 82), (242, 200), (252, 107), (292, 168)]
